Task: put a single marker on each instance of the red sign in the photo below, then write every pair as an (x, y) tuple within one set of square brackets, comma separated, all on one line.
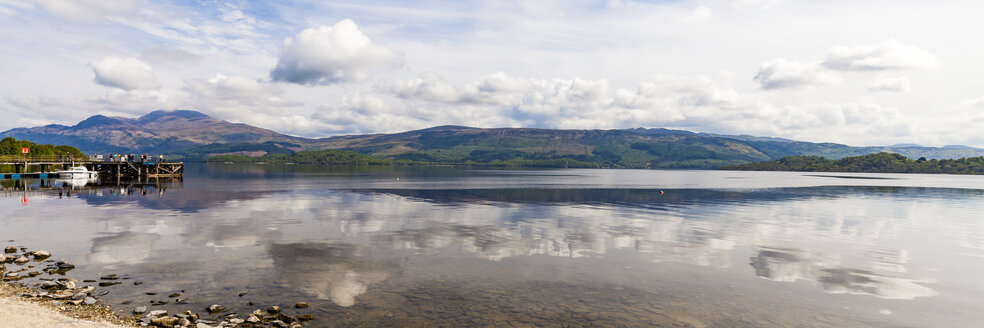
[(23, 150)]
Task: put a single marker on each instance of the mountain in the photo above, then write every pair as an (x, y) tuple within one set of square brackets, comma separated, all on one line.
[(193, 135), (179, 131)]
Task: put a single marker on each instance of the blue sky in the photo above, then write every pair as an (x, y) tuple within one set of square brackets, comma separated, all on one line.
[(855, 72)]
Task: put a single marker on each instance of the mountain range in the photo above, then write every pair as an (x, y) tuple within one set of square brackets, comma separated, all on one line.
[(193, 135)]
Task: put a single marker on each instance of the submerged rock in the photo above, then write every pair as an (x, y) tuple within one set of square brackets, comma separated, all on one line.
[(89, 300), (273, 309), (301, 305), (140, 310), (10, 249)]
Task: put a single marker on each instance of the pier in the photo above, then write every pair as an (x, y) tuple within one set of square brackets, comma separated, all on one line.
[(120, 169)]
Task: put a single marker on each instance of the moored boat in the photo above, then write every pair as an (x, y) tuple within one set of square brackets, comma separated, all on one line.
[(76, 172)]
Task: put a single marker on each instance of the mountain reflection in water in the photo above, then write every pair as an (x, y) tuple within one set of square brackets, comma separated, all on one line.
[(433, 248)]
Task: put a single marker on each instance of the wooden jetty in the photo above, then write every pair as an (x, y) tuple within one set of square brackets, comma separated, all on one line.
[(119, 169)]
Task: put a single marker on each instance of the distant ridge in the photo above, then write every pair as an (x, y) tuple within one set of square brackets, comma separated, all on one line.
[(193, 135)]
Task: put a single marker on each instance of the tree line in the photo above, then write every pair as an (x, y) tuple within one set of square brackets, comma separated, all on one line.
[(871, 163)]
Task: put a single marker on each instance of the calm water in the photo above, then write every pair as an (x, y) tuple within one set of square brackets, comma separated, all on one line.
[(464, 247)]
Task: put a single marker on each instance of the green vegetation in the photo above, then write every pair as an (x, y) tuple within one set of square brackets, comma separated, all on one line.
[(872, 163), (11, 148), (319, 157)]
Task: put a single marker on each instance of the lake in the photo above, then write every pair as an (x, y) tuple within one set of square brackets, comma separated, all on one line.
[(430, 246)]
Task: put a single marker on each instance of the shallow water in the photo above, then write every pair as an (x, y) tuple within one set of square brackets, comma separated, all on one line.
[(387, 246)]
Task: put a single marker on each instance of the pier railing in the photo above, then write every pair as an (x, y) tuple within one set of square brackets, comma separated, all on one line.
[(41, 158)]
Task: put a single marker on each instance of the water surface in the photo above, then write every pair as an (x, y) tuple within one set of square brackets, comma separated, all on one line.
[(469, 247)]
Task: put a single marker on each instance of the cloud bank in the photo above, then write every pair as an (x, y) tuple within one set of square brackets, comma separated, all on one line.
[(328, 55), (124, 73)]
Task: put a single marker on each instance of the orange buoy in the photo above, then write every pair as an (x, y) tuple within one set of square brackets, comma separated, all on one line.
[(660, 192)]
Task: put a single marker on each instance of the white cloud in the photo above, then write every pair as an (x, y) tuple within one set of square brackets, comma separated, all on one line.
[(328, 55), (124, 73), (887, 55), (890, 84), (360, 113), (241, 99), (700, 14), (781, 73), (86, 10)]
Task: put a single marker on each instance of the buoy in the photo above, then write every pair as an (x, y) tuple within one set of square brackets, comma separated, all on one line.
[(660, 192)]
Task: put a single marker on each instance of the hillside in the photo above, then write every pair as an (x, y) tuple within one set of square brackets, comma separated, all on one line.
[(180, 131), (192, 135), (871, 163)]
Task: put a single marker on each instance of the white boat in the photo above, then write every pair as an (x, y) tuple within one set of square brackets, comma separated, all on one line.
[(76, 172)]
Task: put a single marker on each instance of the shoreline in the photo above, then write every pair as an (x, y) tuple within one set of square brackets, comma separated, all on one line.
[(17, 311), (37, 292)]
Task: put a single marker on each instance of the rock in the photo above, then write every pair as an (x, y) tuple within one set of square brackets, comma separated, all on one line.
[(202, 325), (253, 319), (86, 289), (215, 308), (157, 303), (79, 296), (184, 322), (296, 325), (41, 255), (137, 283), (141, 310), (166, 322), (34, 273), (21, 260), (242, 294), (190, 315), (285, 318), (258, 313), (174, 295), (155, 313), (180, 301), (67, 284), (301, 305), (74, 302), (10, 249), (236, 320), (89, 301), (273, 309), (279, 324), (109, 283), (62, 294), (306, 317)]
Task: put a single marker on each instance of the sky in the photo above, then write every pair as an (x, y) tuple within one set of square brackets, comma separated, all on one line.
[(854, 72)]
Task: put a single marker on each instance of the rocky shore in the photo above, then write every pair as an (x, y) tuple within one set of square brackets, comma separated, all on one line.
[(36, 278)]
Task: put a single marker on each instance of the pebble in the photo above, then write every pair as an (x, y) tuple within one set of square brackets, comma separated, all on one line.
[(140, 310), (21, 260), (253, 319), (40, 255), (306, 317), (165, 321), (301, 305), (273, 309), (279, 324), (156, 313), (10, 249), (89, 300), (215, 308)]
